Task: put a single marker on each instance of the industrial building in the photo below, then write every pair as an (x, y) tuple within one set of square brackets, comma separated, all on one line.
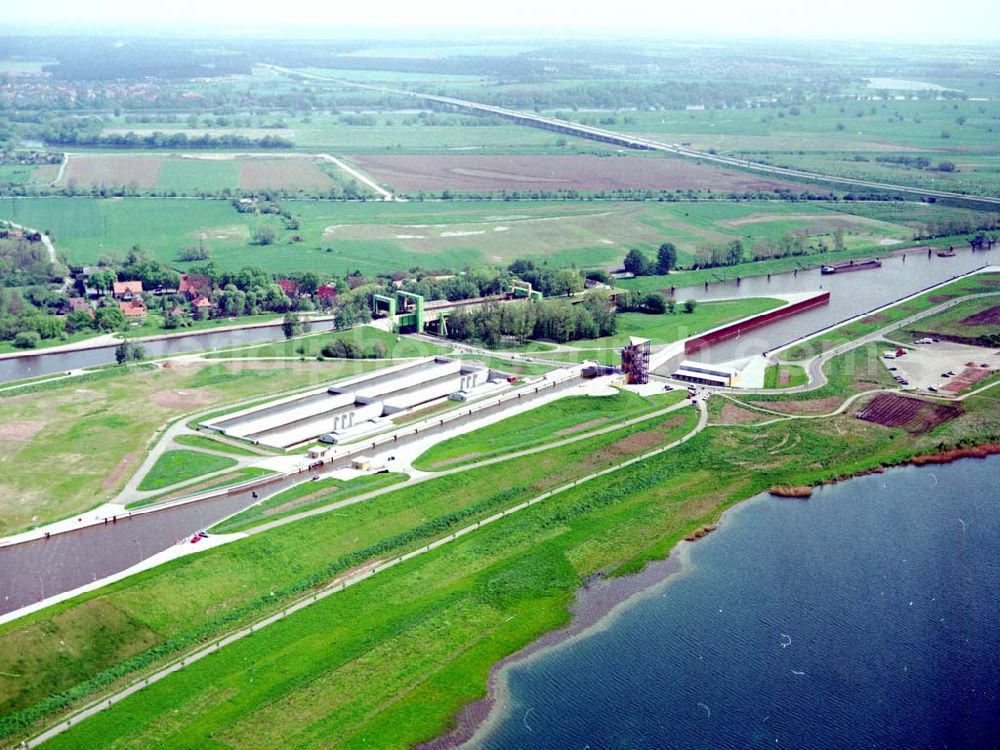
[(706, 374), (353, 408)]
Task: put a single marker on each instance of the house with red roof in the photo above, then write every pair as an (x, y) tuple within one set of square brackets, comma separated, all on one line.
[(289, 287), (127, 290), (326, 294), (79, 304), (133, 309), (195, 285)]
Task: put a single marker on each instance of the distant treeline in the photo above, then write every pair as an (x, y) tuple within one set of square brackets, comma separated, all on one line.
[(167, 140)]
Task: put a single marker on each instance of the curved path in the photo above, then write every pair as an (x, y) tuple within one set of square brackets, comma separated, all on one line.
[(814, 366), (342, 582)]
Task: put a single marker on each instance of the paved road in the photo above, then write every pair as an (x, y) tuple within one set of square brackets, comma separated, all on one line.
[(37, 569), (637, 142), (814, 366), (343, 582)]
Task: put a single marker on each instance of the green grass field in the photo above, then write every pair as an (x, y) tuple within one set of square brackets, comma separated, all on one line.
[(549, 423), (949, 322), (192, 175), (364, 337), (666, 328), (785, 376), (389, 662), (200, 441), (380, 237), (306, 496), (176, 466)]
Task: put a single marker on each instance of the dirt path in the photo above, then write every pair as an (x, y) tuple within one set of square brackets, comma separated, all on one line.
[(360, 177)]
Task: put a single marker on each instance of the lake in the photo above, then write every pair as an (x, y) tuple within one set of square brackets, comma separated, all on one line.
[(864, 617)]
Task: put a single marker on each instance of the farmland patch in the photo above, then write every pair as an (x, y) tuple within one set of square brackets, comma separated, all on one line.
[(111, 169), (912, 414), (291, 174), (485, 173)]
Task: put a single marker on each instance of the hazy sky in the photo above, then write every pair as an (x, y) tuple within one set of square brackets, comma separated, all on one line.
[(953, 20)]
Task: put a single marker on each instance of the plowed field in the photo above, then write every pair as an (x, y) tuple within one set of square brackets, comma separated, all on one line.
[(912, 414), (482, 173)]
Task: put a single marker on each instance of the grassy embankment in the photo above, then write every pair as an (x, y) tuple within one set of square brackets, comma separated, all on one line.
[(149, 616), (389, 662), (977, 284), (855, 371), (785, 376), (306, 496), (200, 441), (217, 482), (663, 329), (72, 443), (176, 466), (363, 337), (554, 421), (949, 323)]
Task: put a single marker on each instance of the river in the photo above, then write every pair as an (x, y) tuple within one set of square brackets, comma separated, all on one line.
[(864, 617), (851, 294), (34, 365)]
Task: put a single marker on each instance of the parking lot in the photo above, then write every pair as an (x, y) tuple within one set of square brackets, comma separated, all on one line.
[(924, 365)]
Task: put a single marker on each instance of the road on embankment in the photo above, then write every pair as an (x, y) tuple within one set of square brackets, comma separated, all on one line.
[(629, 141), (340, 583), (40, 568)]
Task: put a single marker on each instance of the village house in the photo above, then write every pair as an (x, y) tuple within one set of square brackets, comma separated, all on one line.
[(79, 304), (127, 290), (289, 287), (326, 295), (133, 309), (202, 303), (195, 285)]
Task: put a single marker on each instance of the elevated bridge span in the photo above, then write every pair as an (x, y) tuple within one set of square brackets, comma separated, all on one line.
[(564, 127)]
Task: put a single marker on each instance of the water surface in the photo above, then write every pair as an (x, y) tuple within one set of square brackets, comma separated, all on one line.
[(865, 617)]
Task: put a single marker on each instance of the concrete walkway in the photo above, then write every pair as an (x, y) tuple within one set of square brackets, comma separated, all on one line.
[(338, 585)]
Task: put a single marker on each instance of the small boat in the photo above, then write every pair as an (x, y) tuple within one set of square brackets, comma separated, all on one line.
[(946, 253), (851, 265)]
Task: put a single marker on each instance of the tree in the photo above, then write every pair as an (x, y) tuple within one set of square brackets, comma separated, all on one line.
[(291, 326), (636, 263), (671, 305), (126, 352), (111, 319), (263, 234), (838, 239), (689, 306), (666, 258), (567, 281), (734, 253), (27, 340), (655, 304)]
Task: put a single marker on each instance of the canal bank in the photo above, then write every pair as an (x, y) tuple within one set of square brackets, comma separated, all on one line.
[(874, 628)]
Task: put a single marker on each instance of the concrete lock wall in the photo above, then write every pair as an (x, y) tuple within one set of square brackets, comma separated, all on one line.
[(742, 326)]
